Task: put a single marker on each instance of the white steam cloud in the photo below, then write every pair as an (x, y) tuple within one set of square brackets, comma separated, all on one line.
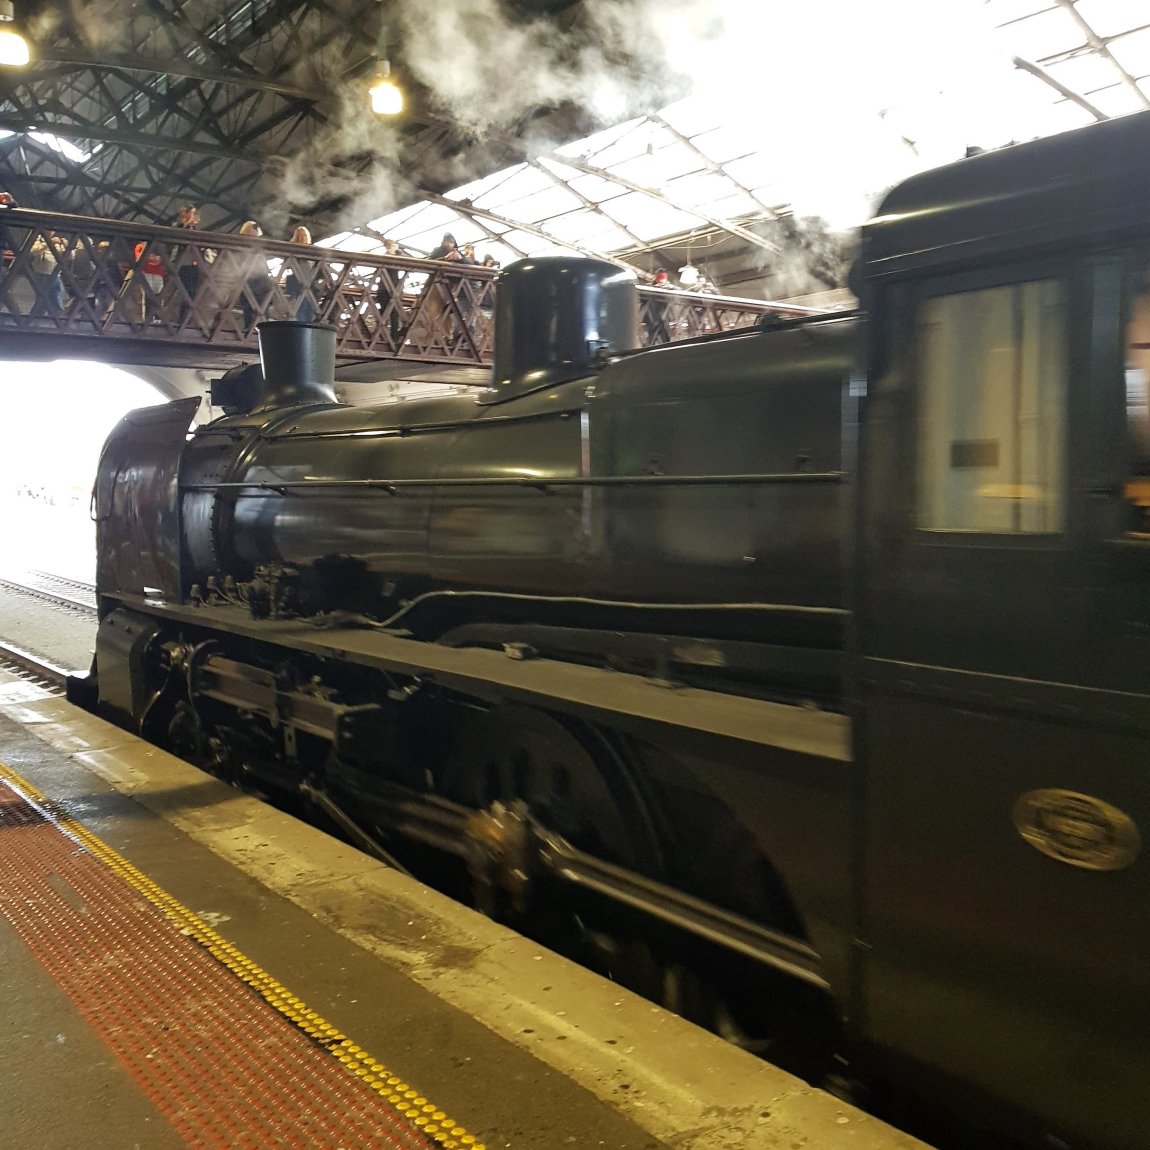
[(486, 67)]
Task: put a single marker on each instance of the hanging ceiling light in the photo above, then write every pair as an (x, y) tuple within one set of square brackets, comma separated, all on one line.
[(688, 273), (13, 47), (386, 95)]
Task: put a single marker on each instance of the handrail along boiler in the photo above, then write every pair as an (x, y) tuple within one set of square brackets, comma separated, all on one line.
[(818, 649)]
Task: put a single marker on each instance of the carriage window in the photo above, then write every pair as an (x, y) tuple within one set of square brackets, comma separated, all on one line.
[(993, 409), (1138, 414)]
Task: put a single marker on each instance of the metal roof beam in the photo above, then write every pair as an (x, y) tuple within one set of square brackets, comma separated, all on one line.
[(178, 68), (76, 176), (1100, 46), (1043, 75), (70, 131)]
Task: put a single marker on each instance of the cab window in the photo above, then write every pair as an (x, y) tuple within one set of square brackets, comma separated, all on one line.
[(993, 397), (1137, 488)]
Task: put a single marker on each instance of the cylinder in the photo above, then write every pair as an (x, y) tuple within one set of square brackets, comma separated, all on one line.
[(555, 316), (298, 362)]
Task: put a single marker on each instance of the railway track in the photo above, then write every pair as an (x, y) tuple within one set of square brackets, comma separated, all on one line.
[(33, 667), (60, 591), (71, 595)]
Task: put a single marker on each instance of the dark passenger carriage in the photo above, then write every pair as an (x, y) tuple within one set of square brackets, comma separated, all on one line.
[(1003, 617), (817, 650)]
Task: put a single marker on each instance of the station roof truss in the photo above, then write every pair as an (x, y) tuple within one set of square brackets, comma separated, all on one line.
[(128, 112)]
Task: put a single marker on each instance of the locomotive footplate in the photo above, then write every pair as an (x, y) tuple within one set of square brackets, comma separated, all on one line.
[(496, 676)]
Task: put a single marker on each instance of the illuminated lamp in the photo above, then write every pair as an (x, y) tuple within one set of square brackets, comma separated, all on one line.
[(386, 95), (13, 47)]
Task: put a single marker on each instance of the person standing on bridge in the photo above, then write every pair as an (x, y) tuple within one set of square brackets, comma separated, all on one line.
[(254, 274), (389, 295), (438, 303), (237, 279), (299, 279), (185, 259), (47, 253)]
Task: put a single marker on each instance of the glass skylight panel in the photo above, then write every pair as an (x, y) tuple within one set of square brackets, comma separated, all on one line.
[(356, 242), (701, 188), (609, 240), (733, 206), (654, 170), (576, 227), (432, 216), (649, 218), (721, 144), (690, 116), (428, 240), (634, 143), (534, 245), (486, 184), (1135, 48), (1047, 119), (1004, 11), (564, 172), (1085, 73), (596, 188), (754, 172), (396, 218), (677, 159), (1117, 100), (1133, 53), (599, 140), (396, 225), (1044, 34), (1112, 17), (524, 182), (551, 200), (64, 147)]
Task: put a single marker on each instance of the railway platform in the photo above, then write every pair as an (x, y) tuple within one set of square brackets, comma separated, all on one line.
[(185, 966)]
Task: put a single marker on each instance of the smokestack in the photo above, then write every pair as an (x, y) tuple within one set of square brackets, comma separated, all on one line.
[(298, 363), (554, 316)]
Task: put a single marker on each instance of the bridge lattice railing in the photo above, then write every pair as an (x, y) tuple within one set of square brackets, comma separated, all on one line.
[(76, 276)]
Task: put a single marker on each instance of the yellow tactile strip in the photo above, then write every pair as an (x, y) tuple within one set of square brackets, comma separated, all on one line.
[(31, 903)]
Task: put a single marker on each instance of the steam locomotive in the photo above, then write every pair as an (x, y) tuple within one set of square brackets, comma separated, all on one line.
[(817, 650)]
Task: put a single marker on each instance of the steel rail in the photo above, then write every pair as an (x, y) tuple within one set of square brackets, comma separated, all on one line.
[(34, 665), (56, 600), (81, 585)]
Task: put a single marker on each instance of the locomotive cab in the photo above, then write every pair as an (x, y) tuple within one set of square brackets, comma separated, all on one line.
[(1002, 621)]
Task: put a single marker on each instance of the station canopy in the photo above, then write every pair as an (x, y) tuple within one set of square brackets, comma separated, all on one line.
[(606, 127), (810, 111)]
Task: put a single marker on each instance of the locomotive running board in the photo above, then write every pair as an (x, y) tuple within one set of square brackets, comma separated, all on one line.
[(495, 677)]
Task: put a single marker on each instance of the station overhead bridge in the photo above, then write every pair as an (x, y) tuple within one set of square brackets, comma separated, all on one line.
[(129, 293)]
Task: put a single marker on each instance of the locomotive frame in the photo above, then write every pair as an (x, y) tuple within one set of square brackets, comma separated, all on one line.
[(818, 650)]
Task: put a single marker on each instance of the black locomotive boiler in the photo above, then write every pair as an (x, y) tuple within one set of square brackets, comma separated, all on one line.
[(817, 650)]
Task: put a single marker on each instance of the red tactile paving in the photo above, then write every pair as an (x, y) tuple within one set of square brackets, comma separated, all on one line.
[(223, 1066)]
